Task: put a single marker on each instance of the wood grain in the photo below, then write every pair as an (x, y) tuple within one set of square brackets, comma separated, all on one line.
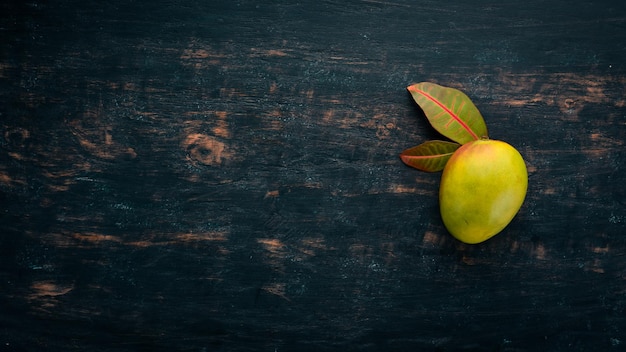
[(225, 176)]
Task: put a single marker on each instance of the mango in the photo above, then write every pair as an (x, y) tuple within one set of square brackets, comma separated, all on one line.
[(483, 186)]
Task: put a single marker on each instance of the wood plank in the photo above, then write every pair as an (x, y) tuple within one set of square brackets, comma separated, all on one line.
[(225, 176)]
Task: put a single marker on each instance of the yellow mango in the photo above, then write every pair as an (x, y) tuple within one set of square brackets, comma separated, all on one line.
[(483, 186)]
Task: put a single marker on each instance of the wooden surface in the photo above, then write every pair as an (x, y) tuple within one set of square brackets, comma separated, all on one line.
[(224, 176)]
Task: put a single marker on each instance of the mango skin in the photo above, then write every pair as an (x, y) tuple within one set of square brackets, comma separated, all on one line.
[(483, 186)]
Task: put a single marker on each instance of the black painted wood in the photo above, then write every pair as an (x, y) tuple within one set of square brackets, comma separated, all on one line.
[(224, 176)]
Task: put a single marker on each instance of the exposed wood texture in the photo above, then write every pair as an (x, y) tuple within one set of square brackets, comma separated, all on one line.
[(224, 176)]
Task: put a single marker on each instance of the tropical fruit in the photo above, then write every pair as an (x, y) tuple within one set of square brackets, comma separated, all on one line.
[(483, 186), (484, 181)]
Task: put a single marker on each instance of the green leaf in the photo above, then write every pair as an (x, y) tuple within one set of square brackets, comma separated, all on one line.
[(429, 156), (449, 111)]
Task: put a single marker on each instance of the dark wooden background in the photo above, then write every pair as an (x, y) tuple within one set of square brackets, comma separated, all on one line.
[(224, 176)]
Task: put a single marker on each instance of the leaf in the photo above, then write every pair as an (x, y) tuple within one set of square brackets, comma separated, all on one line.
[(449, 111), (429, 156)]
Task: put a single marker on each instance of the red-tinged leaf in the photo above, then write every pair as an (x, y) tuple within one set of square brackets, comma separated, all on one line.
[(449, 111), (429, 156)]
